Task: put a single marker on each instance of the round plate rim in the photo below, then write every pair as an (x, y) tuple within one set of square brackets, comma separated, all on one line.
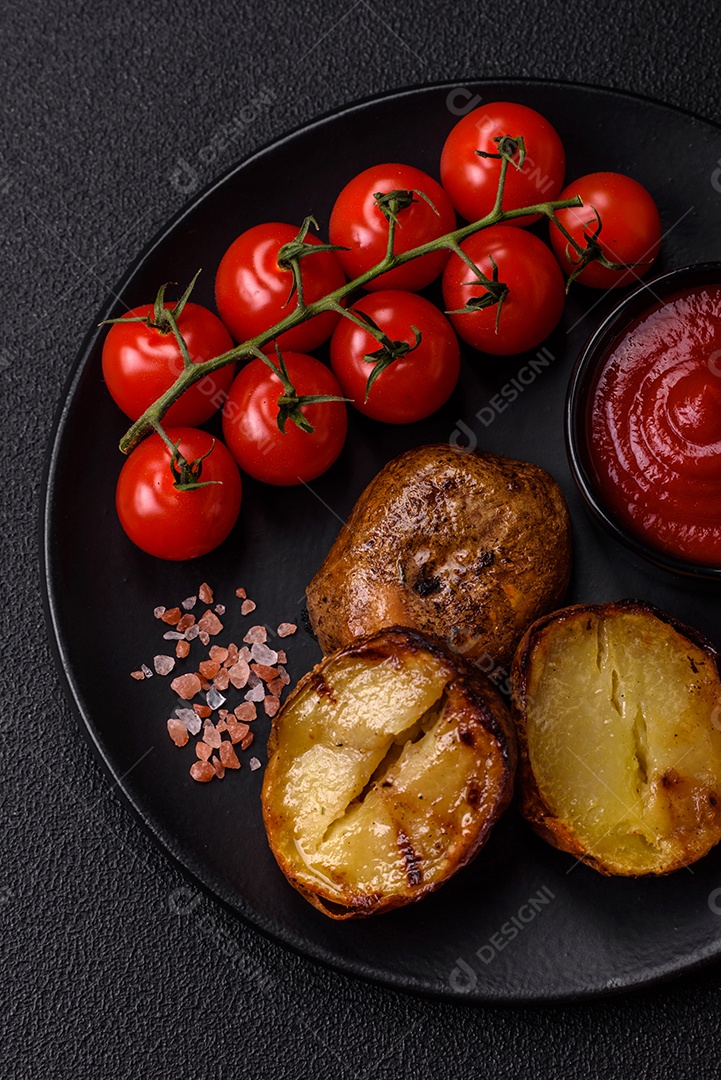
[(356, 968)]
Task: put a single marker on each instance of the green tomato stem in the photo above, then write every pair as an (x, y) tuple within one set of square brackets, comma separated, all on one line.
[(452, 240)]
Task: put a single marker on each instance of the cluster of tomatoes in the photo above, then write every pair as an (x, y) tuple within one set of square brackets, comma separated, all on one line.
[(397, 359)]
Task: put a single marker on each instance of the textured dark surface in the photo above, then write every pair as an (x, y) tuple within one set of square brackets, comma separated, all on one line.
[(112, 966)]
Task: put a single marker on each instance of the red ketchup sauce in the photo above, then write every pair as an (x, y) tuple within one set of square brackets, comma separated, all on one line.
[(655, 426)]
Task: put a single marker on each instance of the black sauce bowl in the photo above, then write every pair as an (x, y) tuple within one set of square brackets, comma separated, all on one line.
[(579, 401)]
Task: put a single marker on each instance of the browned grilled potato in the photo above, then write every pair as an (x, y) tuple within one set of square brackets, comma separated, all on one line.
[(388, 765), (618, 709), (469, 548)]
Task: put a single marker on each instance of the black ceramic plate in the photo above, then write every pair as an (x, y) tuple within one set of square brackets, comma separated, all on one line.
[(524, 922)]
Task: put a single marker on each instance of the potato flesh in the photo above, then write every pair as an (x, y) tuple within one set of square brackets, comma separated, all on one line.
[(385, 718), (630, 761)]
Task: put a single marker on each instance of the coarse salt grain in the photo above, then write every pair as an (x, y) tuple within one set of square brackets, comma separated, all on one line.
[(210, 623), (178, 731), (202, 771), (228, 756), (172, 635), (256, 633), (214, 699), (163, 664), (208, 668), (192, 632), (286, 629), (217, 652), (275, 687), (254, 764), (186, 622), (221, 680), (262, 654), (137, 675), (218, 767), (271, 705), (253, 680), (237, 732), (204, 637), (186, 686), (203, 711), (159, 611), (146, 671), (238, 674), (256, 693), (182, 649), (219, 609), (189, 602), (203, 750), (247, 606), (190, 719), (264, 673), (241, 593), (282, 658), (211, 735), (171, 616), (247, 741), (246, 711), (205, 593)]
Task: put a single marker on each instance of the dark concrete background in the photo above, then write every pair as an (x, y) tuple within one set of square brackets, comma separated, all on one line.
[(102, 104)]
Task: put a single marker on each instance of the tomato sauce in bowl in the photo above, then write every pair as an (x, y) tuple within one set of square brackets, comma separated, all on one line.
[(644, 420)]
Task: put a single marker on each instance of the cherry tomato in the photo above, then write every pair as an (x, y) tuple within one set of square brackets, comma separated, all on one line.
[(533, 304), (141, 361), (253, 293), (358, 223), (412, 386), (167, 522), (472, 181), (630, 228), (250, 422)]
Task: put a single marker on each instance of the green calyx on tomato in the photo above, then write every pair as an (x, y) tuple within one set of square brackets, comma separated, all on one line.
[(290, 254), (164, 318), (389, 351), (290, 402), (186, 474), (496, 291)]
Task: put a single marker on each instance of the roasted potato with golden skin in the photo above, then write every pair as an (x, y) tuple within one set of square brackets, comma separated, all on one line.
[(388, 765), (618, 710), (469, 548)]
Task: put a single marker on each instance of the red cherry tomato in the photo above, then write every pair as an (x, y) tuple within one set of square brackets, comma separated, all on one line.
[(533, 305), (630, 228), (140, 362), (472, 181), (250, 422), (412, 386), (252, 292), (358, 223), (170, 523)]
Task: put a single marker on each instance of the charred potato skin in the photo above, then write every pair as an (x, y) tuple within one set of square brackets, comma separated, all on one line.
[(498, 534), (482, 708), (531, 801)]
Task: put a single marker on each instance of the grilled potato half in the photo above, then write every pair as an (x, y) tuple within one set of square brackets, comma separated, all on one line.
[(469, 548), (388, 766), (618, 710)]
